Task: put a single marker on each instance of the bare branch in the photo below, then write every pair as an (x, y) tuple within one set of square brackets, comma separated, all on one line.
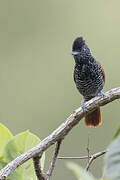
[(38, 171), (52, 165), (73, 158), (88, 150), (36, 160), (61, 131), (93, 157), (80, 157)]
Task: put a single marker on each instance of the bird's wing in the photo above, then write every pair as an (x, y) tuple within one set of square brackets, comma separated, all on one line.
[(74, 76), (103, 72)]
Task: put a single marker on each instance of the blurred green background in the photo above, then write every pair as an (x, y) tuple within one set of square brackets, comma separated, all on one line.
[(37, 91)]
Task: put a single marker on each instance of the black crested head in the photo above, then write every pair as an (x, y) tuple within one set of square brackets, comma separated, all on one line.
[(78, 44), (80, 51)]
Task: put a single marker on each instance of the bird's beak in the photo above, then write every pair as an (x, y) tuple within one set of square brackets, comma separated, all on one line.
[(75, 53)]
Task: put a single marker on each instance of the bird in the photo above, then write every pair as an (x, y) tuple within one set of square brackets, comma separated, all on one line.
[(89, 77)]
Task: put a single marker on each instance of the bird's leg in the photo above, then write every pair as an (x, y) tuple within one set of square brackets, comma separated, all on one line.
[(83, 105)]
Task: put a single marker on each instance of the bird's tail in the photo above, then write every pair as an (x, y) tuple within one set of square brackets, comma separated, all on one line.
[(94, 118)]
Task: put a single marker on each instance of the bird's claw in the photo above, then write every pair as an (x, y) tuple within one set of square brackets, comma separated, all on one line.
[(102, 94)]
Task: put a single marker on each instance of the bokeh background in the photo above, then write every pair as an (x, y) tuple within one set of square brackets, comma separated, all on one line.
[(37, 91)]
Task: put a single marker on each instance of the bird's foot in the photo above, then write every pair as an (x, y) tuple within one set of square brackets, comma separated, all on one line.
[(102, 94)]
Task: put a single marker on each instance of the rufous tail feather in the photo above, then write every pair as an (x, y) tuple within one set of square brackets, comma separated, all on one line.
[(94, 118)]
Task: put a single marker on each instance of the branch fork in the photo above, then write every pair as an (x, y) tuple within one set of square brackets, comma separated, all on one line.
[(59, 134)]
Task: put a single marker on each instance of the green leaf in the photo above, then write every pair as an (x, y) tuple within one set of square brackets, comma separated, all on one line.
[(117, 133), (79, 172), (5, 137), (17, 146), (112, 160)]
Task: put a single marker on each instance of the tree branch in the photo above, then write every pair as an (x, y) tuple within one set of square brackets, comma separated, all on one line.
[(88, 150), (84, 157), (93, 157), (73, 158), (37, 167), (36, 160), (61, 131), (52, 165)]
